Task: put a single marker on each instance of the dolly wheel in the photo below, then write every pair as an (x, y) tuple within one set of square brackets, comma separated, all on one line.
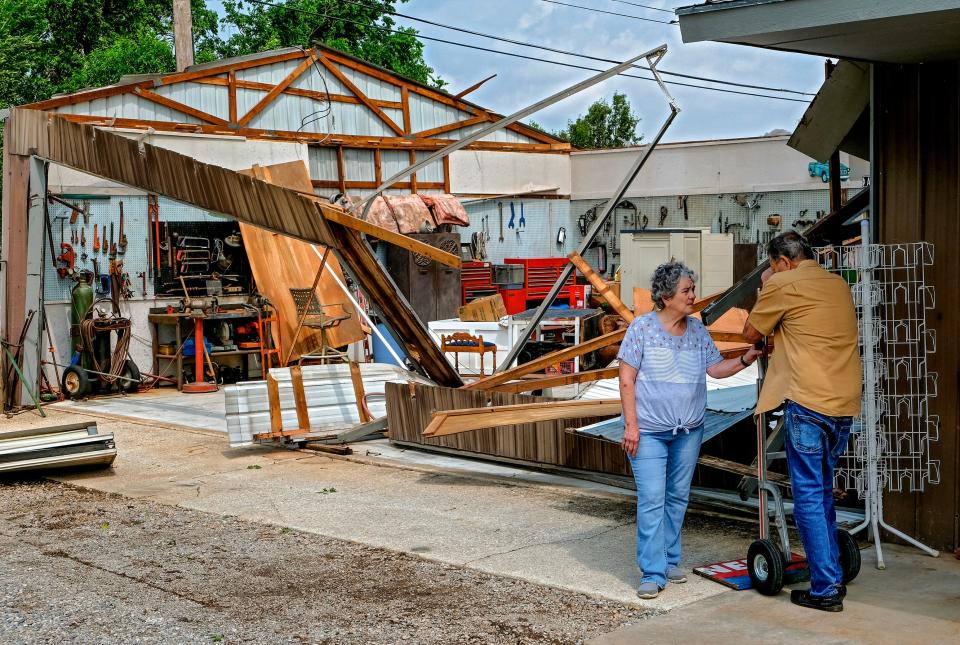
[(849, 555), (75, 382), (130, 371), (766, 567)]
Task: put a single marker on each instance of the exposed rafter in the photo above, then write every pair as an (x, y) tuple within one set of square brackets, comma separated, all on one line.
[(275, 92), (178, 106), (347, 83)]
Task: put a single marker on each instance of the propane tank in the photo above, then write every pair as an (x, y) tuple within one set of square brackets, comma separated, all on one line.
[(81, 299)]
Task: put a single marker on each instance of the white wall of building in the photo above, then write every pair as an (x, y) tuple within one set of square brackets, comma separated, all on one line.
[(764, 164), (483, 172)]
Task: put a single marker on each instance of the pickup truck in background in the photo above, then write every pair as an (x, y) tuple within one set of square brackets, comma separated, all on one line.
[(821, 169)]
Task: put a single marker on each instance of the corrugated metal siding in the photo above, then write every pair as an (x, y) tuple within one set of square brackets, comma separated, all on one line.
[(393, 161), (426, 114), (212, 99), (128, 106), (323, 163), (358, 165), (374, 88), (503, 136), (287, 112), (310, 80)]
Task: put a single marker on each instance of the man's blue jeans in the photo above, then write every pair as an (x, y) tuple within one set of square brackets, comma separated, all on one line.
[(815, 443), (663, 470)]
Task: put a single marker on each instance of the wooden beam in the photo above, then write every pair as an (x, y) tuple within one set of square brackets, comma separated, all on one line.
[(405, 106), (547, 360), (338, 216), (273, 404), (378, 167), (299, 398), (456, 125), (341, 171), (326, 139), (557, 381), (232, 95), (412, 156), (275, 92), (359, 393), (446, 174), (347, 83), (473, 88), (600, 286), (178, 106), (450, 422), (728, 337)]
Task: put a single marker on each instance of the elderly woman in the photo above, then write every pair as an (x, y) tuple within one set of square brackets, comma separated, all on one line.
[(663, 362)]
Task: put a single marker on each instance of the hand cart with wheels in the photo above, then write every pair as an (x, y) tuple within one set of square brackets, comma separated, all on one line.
[(772, 565)]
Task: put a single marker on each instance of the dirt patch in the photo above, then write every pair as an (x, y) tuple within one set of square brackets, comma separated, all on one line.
[(83, 566)]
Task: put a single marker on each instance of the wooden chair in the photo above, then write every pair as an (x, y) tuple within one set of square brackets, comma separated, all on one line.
[(463, 343)]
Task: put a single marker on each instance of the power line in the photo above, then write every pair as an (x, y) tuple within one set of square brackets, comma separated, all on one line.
[(612, 13), (569, 53), (521, 56), (644, 6)]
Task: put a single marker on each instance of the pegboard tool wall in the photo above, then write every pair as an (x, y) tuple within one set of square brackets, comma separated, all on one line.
[(103, 211), (744, 215)]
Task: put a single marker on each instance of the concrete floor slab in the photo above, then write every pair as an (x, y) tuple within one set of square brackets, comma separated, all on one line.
[(915, 600), (164, 405)]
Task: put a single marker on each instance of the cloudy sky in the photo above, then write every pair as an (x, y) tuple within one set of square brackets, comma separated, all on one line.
[(705, 114)]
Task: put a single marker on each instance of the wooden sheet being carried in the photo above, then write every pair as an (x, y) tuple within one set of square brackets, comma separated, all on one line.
[(280, 263)]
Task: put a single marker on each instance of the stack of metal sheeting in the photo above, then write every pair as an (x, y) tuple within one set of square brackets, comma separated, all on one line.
[(70, 445)]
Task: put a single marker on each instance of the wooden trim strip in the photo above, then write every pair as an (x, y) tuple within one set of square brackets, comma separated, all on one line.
[(341, 171), (547, 360), (466, 123), (275, 92), (557, 381), (178, 106), (446, 174), (340, 76), (232, 95), (450, 422)]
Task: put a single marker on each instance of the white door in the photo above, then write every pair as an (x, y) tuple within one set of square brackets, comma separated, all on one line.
[(640, 255), (717, 263)]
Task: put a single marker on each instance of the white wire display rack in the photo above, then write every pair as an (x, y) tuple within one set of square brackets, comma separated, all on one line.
[(890, 441)]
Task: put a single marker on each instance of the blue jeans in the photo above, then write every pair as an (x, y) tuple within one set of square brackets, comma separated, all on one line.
[(815, 443), (663, 470)]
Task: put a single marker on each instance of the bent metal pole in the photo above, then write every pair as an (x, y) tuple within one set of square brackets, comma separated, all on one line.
[(653, 58), (367, 202)]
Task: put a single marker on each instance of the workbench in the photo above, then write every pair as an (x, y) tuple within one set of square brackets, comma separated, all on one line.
[(176, 321)]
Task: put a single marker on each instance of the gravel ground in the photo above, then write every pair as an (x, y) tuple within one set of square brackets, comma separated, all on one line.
[(79, 566)]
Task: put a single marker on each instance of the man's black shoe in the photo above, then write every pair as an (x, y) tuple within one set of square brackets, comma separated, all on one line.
[(842, 591), (803, 598)]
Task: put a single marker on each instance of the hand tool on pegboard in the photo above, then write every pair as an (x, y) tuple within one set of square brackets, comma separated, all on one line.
[(86, 212), (69, 259), (74, 215), (96, 240), (500, 208), (113, 245), (122, 238), (62, 219), (83, 245)]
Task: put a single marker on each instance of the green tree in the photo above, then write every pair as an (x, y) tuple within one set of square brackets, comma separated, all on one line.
[(355, 28), (605, 125)]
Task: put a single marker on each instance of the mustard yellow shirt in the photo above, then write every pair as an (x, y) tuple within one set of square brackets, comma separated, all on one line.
[(816, 361)]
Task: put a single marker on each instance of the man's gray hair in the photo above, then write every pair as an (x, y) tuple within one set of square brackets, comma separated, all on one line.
[(666, 279), (790, 245)]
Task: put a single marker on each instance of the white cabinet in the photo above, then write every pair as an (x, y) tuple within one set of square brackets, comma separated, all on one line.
[(710, 255)]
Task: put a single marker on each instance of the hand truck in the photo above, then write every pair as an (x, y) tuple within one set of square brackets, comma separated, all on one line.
[(767, 562)]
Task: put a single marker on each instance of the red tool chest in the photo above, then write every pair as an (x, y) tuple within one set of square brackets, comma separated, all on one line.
[(476, 281)]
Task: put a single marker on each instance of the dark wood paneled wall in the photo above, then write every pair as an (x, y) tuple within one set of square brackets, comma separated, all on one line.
[(917, 165)]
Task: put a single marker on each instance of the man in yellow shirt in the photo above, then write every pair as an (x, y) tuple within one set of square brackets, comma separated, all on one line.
[(815, 370)]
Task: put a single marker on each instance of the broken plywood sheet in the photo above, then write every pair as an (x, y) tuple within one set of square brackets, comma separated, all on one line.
[(280, 263), (329, 391)]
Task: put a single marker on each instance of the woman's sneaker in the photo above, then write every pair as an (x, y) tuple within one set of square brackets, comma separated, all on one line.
[(676, 575), (648, 590)]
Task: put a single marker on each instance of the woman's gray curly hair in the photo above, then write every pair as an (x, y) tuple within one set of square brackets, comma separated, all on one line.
[(666, 279)]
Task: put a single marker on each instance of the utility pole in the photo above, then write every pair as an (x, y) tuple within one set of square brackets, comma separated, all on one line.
[(182, 34)]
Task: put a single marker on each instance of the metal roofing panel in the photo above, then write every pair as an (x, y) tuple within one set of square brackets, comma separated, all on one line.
[(311, 80), (372, 87), (358, 165), (272, 73), (426, 114), (714, 423), (128, 106), (323, 163), (212, 99), (331, 401)]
